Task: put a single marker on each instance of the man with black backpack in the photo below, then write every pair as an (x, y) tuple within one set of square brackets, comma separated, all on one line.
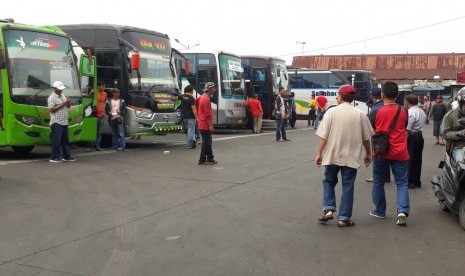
[(281, 111)]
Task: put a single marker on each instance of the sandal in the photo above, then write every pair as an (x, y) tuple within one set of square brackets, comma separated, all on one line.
[(442, 144), (327, 215), (345, 223), (437, 143)]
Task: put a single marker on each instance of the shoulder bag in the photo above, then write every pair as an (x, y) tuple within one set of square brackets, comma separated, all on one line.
[(380, 140)]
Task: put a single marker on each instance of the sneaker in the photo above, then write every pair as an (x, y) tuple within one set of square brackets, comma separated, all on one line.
[(71, 159), (375, 215), (212, 162), (401, 219), (55, 161), (369, 180), (286, 140), (98, 149), (203, 163)]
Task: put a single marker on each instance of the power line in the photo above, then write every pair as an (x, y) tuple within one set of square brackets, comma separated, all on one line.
[(377, 37)]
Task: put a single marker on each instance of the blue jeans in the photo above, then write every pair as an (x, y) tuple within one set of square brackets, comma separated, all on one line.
[(329, 195), (117, 135), (190, 124), (399, 170), (280, 130), (59, 140)]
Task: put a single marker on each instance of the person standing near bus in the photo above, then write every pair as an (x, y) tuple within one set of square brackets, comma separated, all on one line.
[(293, 117), (321, 105), (58, 106), (255, 107), (116, 109), (205, 119), (311, 111), (189, 115), (101, 99), (280, 115), (342, 132)]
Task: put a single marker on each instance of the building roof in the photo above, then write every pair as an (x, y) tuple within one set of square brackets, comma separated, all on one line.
[(391, 67)]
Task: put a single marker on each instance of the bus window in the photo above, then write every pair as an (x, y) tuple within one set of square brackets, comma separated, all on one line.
[(109, 68)]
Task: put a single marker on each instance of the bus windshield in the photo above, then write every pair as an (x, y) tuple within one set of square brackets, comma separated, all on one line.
[(154, 70), (155, 54), (36, 61), (232, 77), (280, 77)]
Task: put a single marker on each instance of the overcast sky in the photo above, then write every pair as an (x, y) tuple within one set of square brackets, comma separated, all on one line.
[(271, 27)]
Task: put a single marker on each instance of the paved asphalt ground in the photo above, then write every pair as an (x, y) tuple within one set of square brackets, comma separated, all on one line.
[(143, 212)]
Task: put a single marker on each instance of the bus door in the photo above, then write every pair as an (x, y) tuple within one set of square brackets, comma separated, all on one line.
[(209, 74), (2, 133), (89, 98), (261, 87)]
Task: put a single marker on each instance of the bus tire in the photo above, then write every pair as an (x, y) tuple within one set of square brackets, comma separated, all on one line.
[(22, 149)]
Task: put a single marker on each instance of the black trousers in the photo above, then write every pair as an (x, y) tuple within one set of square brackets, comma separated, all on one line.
[(206, 152), (293, 118), (415, 145)]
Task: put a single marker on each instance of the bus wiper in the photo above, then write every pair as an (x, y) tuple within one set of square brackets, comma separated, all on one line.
[(35, 95), (153, 86)]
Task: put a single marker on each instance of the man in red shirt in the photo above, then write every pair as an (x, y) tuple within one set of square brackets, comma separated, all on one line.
[(101, 99), (321, 105), (205, 121), (396, 157), (257, 113)]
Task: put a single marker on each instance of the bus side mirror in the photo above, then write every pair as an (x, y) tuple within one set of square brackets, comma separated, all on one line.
[(87, 66), (135, 61), (187, 67)]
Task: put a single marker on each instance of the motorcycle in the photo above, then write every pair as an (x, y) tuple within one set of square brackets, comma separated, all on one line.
[(450, 187)]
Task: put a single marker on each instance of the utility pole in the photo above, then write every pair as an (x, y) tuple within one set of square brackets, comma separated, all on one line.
[(303, 46)]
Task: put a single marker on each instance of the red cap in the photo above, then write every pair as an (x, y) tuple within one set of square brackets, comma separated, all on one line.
[(346, 90)]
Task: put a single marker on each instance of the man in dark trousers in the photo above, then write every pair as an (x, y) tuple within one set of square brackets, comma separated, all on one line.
[(377, 102), (438, 111), (205, 119), (415, 142)]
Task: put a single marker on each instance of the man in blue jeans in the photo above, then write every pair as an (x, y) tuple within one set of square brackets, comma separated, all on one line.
[(396, 157), (189, 115), (343, 131)]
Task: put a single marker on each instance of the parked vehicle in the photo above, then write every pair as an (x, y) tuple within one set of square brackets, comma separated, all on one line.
[(263, 76), (31, 59), (141, 64), (449, 188), (225, 71)]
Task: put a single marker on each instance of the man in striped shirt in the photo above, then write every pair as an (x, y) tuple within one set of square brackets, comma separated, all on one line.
[(58, 106)]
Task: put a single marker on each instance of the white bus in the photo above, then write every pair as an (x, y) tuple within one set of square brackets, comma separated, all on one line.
[(225, 71), (306, 82)]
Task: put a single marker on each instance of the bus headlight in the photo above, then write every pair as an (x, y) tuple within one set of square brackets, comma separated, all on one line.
[(145, 113), (27, 120)]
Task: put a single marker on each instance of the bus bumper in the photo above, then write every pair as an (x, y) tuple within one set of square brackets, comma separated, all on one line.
[(156, 123)]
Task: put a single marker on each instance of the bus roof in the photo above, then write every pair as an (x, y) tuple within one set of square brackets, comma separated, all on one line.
[(120, 28), (43, 29), (216, 52), (267, 58)]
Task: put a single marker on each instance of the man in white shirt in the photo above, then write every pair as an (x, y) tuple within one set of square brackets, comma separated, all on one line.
[(343, 131)]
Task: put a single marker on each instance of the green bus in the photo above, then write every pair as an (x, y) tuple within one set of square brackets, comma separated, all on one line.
[(31, 59)]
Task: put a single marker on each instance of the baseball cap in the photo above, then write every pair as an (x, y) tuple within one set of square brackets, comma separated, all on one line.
[(208, 85), (115, 90), (346, 90), (58, 85), (376, 91)]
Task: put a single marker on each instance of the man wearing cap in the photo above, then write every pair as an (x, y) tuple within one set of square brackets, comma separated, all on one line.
[(343, 131), (205, 122), (58, 106)]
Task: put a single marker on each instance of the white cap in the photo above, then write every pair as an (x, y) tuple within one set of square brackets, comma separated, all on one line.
[(58, 85)]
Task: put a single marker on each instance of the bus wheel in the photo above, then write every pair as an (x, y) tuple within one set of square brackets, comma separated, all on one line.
[(22, 149)]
